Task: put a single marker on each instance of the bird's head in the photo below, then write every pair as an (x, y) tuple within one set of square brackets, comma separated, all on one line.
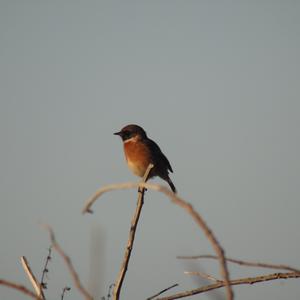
[(131, 132)]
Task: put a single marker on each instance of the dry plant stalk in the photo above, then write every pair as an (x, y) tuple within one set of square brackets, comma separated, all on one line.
[(45, 269), (219, 284), (188, 208), (133, 227), (19, 287), (36, 285), (243, 262), (68, 262)]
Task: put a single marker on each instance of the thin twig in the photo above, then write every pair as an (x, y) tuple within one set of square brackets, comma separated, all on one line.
[(110, 290), (134, 223), (36, 285), (65, 289), (19, 287), (203, 275), (69, 264), (249, 280), (244, 263), (108, 296), (187, 207), (163, 291), (45, 269)]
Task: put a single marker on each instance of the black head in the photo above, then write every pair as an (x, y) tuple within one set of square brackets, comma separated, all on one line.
[(131, 131)]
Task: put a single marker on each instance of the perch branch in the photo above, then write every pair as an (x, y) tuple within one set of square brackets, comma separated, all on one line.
[(133, 227), (244, 263), (188, 208)]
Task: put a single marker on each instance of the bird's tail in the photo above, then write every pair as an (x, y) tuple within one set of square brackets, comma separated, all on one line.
[(172, 186)]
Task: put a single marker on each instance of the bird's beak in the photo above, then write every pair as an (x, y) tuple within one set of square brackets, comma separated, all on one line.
[(118, 133)]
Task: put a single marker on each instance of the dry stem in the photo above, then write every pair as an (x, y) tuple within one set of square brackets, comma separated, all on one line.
[(244, 263), (36, 285), (45, 269), (19, 287), (249, 280)]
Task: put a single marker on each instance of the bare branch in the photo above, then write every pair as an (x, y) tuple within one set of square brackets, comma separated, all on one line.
[(134, 222), (163, 291), (36, 285), (187, 207), (19, 287), (68, 263), (244, 263), (249, 280)]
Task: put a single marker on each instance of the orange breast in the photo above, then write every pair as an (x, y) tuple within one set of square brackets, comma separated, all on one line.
[(137, 156)]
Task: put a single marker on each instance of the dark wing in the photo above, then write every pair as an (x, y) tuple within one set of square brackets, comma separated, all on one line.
[(158, 155)]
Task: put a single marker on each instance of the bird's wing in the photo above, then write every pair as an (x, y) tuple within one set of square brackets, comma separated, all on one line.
[(157, 154)]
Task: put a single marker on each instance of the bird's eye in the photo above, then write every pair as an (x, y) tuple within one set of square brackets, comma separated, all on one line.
[(127, 134)]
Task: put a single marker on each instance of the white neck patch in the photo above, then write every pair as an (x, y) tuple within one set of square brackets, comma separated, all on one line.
[(133, 139)]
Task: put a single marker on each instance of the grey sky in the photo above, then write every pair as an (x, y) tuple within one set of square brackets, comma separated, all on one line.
[(216, 85)]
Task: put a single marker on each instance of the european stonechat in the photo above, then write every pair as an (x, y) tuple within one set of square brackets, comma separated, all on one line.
[(140, 151)]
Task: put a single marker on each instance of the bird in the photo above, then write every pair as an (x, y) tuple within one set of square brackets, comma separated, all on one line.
[(140, 151)]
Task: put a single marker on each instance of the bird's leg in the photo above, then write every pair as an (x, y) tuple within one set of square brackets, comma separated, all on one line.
[(146, 176), (141, 189)]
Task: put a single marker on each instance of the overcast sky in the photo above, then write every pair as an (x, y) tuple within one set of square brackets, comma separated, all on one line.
[(216, 85)]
